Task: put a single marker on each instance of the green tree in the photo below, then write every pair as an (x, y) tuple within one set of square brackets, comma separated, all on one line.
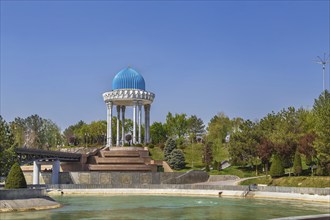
[(196, 128), (218, 127), (98, 131), (128, 125), (276, 169), (170, 145), (7, 144), (243, 145), (207, 154), (321, 110), (297, 166), (71, 134), (84, 134), (158, 133), (15, 178), (177, 160), (264, 131), (286, 135), (306, 147), (36, 132), (52, 136), (264, 151), (176, 125), (18, 128), (217, 165), (93, 134)]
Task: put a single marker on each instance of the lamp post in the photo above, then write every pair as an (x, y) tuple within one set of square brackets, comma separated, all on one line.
[(323, 61)]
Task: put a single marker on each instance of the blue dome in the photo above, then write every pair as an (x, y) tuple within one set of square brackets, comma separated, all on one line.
[(128, 78)]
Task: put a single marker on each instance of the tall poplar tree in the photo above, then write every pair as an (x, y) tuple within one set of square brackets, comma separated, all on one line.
[(321, 110)]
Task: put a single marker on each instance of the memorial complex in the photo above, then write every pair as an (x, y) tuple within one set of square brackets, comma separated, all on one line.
[(128, 90)]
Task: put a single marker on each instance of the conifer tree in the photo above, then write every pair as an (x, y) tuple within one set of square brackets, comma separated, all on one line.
[(177, 160), (15, 178), (207, 154), (297, 167), (276, 169), (170, 145)]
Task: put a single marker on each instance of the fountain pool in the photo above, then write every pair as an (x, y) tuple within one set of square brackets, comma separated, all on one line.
[(170, 207)]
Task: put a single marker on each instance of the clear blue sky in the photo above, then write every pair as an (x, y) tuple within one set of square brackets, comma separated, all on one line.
[(243, 58)]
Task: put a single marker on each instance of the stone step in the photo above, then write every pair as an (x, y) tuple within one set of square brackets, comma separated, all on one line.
[(120, 153), (131, 167), (119, 160)]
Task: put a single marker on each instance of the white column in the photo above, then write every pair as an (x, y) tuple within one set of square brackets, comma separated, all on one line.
[(148, 124), (134, 122), (145, 124), (139, 120), (123, 125), (118, 119), (109, 123), (55, 172), (36, 171)]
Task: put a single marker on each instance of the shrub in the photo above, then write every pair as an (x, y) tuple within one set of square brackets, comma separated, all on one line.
[(297, 167), (276, 169), (151, 146), (15, 178), (170, 145), (138, 145), (176, 159)]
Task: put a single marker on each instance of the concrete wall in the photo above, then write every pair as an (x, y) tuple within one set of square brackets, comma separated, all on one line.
[(216, 178), (121, 178), (147, 179), (185, 178), (9, 194), (129, 178), (46, 178), (308, 191), (116, 179), (145, 186), (302, 190), (64, 167)]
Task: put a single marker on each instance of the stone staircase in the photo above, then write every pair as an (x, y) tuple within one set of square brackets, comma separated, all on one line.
[(122, 159)]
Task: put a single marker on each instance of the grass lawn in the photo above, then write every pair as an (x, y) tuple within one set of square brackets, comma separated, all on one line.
[(194, 152), (293, 181), (193, 155)]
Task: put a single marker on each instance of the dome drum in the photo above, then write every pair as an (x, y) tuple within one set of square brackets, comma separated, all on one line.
[(127, 96)]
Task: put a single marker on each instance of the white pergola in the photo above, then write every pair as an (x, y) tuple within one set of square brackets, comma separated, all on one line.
[(122, 98)]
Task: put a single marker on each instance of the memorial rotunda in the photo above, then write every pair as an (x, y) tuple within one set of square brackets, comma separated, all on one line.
[(128, 90)]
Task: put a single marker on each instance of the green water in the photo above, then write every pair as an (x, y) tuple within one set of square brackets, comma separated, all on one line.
[(170, 207)]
